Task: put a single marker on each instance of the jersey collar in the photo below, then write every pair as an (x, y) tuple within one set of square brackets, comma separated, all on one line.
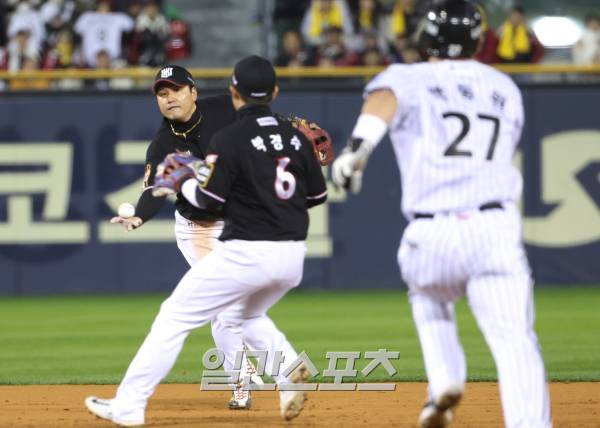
[(254, 110)]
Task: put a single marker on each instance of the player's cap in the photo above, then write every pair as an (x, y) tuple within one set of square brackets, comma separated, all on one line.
[(173, 74), (451, 29), (254, 77)]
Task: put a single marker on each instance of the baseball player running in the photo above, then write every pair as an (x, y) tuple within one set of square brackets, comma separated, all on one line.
[(454, 124), (188, 125), (263, 174)]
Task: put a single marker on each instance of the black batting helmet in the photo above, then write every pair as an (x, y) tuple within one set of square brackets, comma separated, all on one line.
[(451, 29)]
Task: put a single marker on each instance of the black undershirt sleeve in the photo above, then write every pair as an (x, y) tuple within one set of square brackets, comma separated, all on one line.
[(148, 206)]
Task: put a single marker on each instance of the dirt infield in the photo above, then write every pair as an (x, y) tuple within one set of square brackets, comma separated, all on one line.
[(573, 405)]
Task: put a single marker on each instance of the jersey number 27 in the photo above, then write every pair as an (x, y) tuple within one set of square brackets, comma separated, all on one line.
[(453, 149)]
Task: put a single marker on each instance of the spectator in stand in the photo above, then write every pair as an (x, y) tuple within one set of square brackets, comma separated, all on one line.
[(26, 18), (293, 52), (135, 8), (61, 53), (20, 48), (489, 45), (587, 49), (371, 54), (56, 15), (368, 19), (3, 24), (404, 20), (517, 42), (324, 14), (179, 42), (366, 14), (410, 54), (3, 62), (398, 44), (332, 52), (102, 30), (287, 16), (404, 52), (30, 63), (152, 30), (105, 62)]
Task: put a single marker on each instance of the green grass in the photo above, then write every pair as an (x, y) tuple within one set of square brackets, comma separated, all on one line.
[(91, 339)]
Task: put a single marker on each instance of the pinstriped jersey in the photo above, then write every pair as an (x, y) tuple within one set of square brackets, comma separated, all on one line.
[(454, 134)]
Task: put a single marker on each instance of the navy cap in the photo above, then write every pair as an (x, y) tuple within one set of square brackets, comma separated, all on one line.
[(254, 77), (174, 75)]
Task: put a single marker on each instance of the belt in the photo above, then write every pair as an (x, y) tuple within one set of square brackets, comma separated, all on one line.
[(484, 207)]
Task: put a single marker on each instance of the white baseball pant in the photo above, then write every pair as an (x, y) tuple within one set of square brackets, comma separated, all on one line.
[(195, 240), (251, 274), (480, 254)]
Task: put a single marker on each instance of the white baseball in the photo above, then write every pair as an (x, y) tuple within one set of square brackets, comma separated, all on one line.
[(126, 210)]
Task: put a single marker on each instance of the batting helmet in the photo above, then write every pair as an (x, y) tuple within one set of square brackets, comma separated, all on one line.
[(451, 29)]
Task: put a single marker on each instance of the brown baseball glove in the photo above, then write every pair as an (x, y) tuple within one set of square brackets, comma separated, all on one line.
[(319, 138)]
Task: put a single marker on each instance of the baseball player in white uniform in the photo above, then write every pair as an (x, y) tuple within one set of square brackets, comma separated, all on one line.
[(454, 124)]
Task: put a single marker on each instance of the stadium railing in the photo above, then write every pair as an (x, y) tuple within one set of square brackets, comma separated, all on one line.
[(142, 77)]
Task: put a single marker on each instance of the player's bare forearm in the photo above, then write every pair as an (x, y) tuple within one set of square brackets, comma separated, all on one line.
[(381, 103)]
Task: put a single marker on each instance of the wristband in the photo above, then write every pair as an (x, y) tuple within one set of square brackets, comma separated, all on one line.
[(370, 129)]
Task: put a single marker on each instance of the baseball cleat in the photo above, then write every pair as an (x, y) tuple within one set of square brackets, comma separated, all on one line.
[(254, 377), (240, 399), (101, 408), (439, 413), (291, 403)]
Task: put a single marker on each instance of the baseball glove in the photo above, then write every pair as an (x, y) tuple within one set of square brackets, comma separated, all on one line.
[(173, 171), (319, 138)]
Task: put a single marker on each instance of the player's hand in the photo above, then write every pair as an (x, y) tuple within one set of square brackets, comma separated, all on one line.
[(129, 224), (347, 171)]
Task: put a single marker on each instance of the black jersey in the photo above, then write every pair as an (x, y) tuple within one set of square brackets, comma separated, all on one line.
[(211, 115), (266, 174)]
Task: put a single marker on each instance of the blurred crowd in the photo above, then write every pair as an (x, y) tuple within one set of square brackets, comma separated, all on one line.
[(380, 32), (587, 50), (108, 34), (95, 34)]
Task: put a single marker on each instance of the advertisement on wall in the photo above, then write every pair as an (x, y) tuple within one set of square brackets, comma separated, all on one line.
[(67, 161)]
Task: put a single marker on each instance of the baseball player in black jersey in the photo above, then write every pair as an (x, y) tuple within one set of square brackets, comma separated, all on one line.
[(187, 127), (263, 175)]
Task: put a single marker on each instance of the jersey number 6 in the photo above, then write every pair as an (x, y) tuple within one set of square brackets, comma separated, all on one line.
[(285, 182), (453, 149)]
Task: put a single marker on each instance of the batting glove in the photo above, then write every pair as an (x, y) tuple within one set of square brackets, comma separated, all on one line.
[(347, 169)]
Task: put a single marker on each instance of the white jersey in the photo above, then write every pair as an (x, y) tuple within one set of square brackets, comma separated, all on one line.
[(102, 32), (454, 134)]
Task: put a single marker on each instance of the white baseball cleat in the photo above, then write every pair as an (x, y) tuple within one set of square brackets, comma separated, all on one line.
[(241, 399), (439, 413), (291, 403), (254, 377), (101, 408)]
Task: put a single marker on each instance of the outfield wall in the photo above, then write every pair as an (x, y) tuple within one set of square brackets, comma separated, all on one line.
[(68, 160)]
